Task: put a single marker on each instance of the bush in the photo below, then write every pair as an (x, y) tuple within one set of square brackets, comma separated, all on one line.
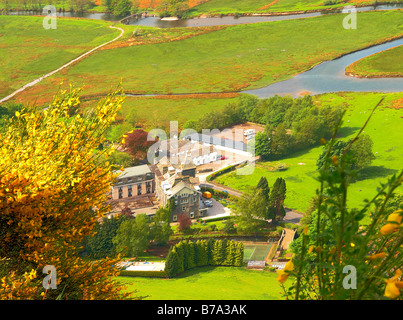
[(148, 274)]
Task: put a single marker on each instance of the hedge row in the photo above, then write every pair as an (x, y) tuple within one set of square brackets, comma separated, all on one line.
[(149, 274), (187, 254)]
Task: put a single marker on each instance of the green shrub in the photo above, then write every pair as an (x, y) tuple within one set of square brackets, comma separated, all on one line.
[(148, 274)]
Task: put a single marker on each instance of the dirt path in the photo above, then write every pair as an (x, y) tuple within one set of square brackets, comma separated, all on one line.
[(32, 83)]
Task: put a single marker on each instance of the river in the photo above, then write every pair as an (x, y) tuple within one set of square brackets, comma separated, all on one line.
[(329, 76)]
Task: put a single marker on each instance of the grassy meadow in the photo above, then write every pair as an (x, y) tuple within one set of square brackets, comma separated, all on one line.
[(388, 63), (231, 7), (301, 173), (28, 50), (229, 283), (230, 59)]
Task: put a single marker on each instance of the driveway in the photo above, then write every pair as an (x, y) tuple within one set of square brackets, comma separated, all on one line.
[(217, 210)]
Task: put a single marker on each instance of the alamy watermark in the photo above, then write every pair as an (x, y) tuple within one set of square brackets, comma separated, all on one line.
[(49, 22), (350, 21), (191, 146)]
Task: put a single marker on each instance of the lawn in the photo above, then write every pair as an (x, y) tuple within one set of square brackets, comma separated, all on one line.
[(229, 283), (231, 59), (387, 63), (27, 50), (384, 130)]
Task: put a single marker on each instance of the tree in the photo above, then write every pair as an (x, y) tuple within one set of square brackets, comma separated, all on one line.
[(53, 190), (190, 257), (122, 8), (161, 228), (251, 211), (121, 159), (229, 227), (132, 237), (100, 245), (277, 197), (362, 152), (172, 263), (358, 156), (263, 145), (184, 222), (238, 256), (201, 253), (136, 143)]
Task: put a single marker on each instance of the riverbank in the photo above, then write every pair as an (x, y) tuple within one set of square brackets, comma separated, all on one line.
[(385, 64)]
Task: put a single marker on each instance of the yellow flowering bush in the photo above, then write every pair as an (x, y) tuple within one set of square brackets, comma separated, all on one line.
[(54, 182), (338, 257)]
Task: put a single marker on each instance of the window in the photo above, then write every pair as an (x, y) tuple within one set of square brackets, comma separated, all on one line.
[(192, 215), (139, 189), (175, 217), (139, 178), (183, 208), (184, 201), (120, 191), (129, 191)]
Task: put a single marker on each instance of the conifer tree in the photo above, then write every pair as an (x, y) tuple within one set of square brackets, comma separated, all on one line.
[(239, 254), (171, 263)]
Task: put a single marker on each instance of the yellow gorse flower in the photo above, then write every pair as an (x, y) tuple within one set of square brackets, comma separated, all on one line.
[(393, 222), (283, 274), (392, 286)]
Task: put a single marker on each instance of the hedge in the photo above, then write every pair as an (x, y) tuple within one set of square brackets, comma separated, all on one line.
[(223, 171), (187, 255), (149, 274)]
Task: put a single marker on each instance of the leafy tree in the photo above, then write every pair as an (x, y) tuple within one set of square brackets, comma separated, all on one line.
[(122, 8), (136, 144), (359, 155), (121, 159), (362, 152), (53, 190), (100, 245), (251, 211), (263, 145), (132, 237), (229, 227), (185, 222), (160, 228)]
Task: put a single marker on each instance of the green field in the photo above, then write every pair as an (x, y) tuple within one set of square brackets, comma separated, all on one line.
[(232, 59), (231, 7), (27, 50), (228, 283), (384, 130), (387, 63)]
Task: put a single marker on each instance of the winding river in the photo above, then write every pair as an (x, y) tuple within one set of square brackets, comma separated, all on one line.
[(328, 76)]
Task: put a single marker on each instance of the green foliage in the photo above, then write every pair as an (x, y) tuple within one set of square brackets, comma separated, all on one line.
[(132, 237), (336, 237), (100, 245), (187, 255), (358, 155), (147, 274), (160, 229)]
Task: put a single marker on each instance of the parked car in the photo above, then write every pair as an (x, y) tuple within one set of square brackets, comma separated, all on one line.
[(208, 203), (223, 158)]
